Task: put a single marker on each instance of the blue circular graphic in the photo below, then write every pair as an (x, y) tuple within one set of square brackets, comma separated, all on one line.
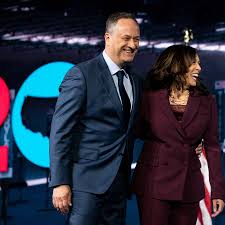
[(43, 83)]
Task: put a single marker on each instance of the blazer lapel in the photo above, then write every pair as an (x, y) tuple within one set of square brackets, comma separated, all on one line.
[(191, 109), (166, 108), (106, 79)]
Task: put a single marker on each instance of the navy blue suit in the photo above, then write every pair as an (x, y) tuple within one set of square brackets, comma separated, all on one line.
[(88, 135)]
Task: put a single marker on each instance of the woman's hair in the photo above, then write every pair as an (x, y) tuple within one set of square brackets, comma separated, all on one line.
[(171, 67)]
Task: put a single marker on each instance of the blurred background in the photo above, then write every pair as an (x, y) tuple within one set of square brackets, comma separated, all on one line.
[(41, 40)]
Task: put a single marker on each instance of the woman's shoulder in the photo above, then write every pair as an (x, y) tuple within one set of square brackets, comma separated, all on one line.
[(208, 98), (153, 95), (151, 92)]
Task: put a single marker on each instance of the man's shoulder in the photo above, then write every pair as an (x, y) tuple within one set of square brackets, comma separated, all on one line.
[(90, 63), (84, 67)]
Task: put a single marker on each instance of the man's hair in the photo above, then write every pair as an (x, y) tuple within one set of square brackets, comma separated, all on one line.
[(115, 17)]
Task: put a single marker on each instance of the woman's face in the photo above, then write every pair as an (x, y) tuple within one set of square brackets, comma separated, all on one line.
[(193, 73)]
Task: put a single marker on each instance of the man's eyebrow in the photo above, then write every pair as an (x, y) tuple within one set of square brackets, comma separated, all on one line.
[(127, 35)]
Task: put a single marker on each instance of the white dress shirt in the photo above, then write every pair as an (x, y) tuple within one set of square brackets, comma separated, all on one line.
[(114, 68)]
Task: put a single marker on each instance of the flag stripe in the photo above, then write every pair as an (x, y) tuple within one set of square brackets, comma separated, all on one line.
[(200, 217), (204, 215)]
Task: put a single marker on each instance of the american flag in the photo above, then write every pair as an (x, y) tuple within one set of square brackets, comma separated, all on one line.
[(204, 214)]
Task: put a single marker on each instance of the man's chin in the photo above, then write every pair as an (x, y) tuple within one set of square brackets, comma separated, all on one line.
[(128, 59)]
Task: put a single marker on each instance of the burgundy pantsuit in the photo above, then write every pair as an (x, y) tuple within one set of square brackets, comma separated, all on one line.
[(167, 178)]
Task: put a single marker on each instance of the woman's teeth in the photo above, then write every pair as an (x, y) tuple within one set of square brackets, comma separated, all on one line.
[(195, 76)]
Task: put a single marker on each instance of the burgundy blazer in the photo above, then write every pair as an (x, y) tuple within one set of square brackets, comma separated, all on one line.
[(168, 168)]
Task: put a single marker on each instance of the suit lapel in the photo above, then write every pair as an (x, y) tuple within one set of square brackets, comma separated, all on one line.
[(189, 113), (191, 109), (166, 108), (106, 79)]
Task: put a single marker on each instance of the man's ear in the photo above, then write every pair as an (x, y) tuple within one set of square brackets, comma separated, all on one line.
[(107, 37)]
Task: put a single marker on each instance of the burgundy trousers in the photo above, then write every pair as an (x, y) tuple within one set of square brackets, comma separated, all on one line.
[(161, 212)]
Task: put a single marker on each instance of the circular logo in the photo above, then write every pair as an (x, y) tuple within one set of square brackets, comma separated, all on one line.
[(4, 101), (42, 83)]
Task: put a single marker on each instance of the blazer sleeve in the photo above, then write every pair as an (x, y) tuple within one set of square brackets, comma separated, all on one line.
[(213, 153), (68, 110)]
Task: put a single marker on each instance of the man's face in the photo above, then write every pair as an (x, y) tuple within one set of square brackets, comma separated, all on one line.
[(122, 41)]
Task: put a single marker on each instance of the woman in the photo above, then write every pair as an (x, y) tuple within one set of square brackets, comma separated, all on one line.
[(177, 113)]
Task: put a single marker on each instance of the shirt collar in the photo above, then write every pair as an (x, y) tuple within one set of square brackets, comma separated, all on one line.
[(113, 67)]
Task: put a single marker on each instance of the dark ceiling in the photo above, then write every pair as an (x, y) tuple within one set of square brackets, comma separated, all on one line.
[(190, 11), (164, 19)]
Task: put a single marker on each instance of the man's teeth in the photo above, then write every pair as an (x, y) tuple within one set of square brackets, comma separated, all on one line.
[(129, 51)]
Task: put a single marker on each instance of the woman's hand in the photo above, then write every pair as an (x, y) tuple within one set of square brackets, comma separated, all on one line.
[(218, 206), (198, 150)]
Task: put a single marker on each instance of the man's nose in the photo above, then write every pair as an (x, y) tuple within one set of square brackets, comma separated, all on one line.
[(133, 44)]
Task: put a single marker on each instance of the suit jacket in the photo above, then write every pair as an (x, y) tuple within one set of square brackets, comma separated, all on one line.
[(88, 134), (169, 168)]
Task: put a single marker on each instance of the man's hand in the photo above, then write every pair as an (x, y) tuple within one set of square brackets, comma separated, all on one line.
[(218, 205), (61, 198)]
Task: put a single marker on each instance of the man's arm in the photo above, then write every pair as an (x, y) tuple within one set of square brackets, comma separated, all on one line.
[(67, 114)]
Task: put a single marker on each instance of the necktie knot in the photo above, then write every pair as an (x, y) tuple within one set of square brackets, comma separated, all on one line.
[(120, 74)]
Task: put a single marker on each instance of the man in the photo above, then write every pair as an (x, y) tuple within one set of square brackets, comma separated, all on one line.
[(90, 141)]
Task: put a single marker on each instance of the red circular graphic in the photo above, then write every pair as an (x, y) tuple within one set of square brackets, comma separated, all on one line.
[(4, 101)]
